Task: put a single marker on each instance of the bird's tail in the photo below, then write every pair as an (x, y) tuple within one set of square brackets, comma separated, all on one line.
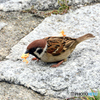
[(84, 37)]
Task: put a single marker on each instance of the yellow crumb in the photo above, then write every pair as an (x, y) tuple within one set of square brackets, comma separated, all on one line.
[(25, 60), (24, 56), (62, 33)]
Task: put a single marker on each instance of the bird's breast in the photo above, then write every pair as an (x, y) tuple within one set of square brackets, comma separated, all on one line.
[(47, 57)]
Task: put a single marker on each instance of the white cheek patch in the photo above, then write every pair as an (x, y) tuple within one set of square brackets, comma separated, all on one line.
[(41, 54)]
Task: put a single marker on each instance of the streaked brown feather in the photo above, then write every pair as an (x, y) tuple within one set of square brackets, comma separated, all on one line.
[(57, 45)]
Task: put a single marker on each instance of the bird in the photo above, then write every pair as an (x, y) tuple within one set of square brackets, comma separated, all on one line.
[(55, 48)]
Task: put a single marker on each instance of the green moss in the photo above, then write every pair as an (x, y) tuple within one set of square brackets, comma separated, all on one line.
[(63, 8)]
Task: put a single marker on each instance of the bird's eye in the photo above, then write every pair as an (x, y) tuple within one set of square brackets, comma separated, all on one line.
[(40, 50)]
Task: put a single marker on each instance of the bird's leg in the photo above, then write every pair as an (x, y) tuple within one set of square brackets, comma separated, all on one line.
[(35, 59), (56, 65)]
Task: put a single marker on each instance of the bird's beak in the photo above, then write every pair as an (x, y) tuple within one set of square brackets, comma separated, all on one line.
[(26, 52)]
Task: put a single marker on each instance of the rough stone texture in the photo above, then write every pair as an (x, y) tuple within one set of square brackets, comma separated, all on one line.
[(18, 25), (2, 25), (13, 5), (82, 70), (15, 92), (45, 4)]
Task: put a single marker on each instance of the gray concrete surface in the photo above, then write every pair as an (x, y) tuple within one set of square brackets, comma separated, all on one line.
[(16, 5)]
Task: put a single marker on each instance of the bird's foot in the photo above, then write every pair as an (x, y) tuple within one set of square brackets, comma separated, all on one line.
[(35, 59), (65, 60), (56, 65)]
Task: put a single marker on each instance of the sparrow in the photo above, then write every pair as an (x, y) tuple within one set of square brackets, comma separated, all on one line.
[(54, 49)]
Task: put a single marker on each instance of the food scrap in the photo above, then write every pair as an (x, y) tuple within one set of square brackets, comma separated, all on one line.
[(62, 33), (24, 56)]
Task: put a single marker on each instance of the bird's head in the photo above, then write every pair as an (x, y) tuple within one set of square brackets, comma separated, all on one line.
[(37, 48)]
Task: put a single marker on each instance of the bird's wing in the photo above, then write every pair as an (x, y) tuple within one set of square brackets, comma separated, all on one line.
[(57, 45)]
